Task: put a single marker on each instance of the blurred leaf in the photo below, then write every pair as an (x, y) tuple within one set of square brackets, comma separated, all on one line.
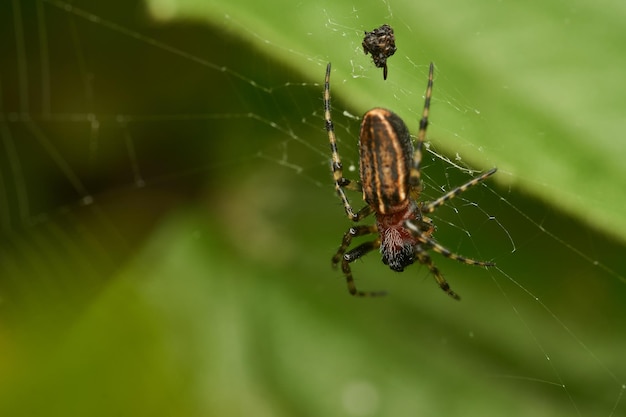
[(190, 328)]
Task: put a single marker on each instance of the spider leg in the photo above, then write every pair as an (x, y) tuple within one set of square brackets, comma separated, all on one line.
[(431, 206), (415, 178), (448, 254), (352, 256), (430, 243), (347, 257), (336, 166), (347, 184), (347, 240), (424, 259)]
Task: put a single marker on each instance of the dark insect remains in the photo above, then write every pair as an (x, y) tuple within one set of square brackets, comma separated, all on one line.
[(381, 44), (390, 180)]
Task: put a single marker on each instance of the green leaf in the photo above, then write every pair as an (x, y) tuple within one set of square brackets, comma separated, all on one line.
[(534, 88)]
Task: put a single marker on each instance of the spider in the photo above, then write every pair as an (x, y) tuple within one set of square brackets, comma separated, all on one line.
[(390, 181)]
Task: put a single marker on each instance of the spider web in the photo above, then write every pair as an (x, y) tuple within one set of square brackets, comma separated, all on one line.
[(136, 153)]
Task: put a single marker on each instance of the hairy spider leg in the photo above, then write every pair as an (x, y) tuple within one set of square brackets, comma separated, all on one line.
[(430, 243), (431, 206), (340, 181), (347, 257), (421, 134), (423, 258)]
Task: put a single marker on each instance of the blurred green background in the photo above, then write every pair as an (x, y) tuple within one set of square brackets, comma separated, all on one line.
[(167, 225)]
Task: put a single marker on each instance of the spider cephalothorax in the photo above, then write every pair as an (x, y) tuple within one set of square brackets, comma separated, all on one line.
[(391, 183)]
